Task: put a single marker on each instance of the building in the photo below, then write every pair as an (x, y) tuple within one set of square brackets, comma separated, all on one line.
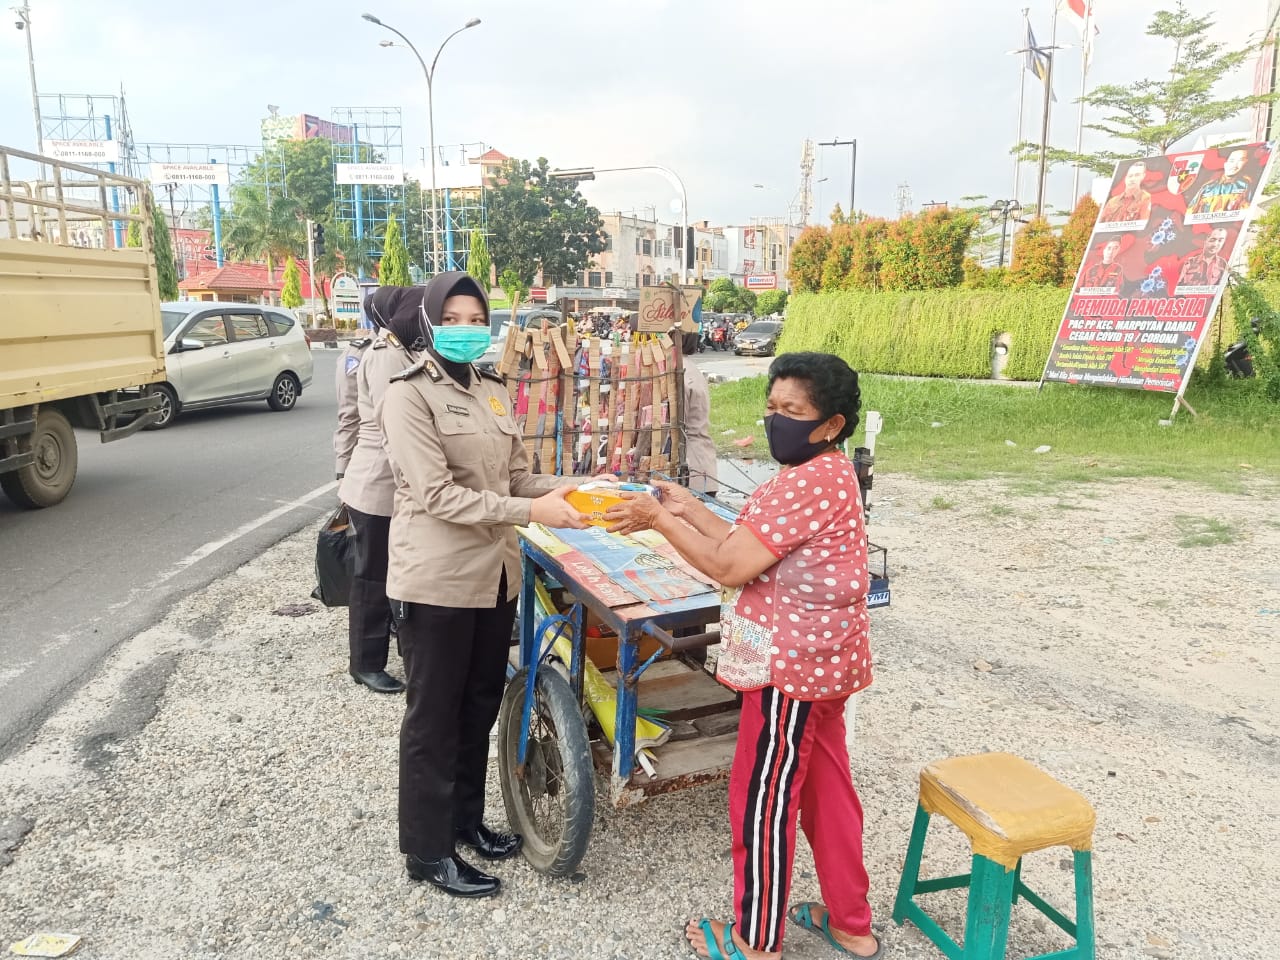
[(759, 255), (243, 283)]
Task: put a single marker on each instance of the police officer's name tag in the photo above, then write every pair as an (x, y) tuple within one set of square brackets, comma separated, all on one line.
[(456, 410)]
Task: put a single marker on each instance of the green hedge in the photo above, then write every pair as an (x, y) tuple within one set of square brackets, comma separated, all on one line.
[(931, 333)]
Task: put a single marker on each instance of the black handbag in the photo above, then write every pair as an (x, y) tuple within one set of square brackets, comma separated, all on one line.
[(335, 564)]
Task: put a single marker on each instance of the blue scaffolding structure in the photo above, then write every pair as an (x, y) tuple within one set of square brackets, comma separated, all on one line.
[(377, 137)]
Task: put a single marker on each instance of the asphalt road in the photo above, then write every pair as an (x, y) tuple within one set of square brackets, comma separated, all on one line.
[(152, 519)]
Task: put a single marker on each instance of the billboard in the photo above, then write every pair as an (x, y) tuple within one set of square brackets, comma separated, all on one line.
[(761, 281), (384, 174), (83, 151), (217, 174), (1155, 267)]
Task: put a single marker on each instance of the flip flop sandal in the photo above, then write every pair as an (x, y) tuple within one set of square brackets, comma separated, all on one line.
[(726, 950), (802, 915)]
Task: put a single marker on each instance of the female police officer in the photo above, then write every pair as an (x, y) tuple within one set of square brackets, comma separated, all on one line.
[(368, 490), (462, 485)]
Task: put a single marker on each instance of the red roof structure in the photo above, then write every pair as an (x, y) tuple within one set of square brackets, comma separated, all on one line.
[(246, 279), (492, 156)]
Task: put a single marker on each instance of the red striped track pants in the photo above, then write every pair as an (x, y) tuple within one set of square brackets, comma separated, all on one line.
[(792, 759)]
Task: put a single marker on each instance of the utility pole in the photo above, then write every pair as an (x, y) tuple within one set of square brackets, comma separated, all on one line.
[(1050, 56), (24, 23), (853, 165), (311, 267)]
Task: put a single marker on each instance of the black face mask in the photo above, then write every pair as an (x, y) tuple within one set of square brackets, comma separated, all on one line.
[(789, 439)]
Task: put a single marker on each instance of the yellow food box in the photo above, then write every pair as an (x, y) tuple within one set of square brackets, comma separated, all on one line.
[(595, 498)]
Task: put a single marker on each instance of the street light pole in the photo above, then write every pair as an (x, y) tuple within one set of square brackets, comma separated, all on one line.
[(589, 173), (24, 23), (853, 164), (429, 73), (1004, 210)]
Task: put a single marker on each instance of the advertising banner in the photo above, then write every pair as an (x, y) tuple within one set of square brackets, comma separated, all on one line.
[(84, 151), (1155, 268), (657, 309), (761, 281), (217, 174), (384, 174)]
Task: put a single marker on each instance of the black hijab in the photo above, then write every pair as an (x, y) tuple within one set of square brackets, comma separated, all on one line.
[(382, 304), (454, 283), (406, 320)]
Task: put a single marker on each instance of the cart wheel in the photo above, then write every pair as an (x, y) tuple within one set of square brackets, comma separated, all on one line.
[(551, 802)]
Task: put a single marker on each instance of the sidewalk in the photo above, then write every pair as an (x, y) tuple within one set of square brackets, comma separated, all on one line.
[(223, 790)]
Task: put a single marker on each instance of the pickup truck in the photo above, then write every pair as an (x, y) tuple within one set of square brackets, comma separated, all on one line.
[(80, 334)]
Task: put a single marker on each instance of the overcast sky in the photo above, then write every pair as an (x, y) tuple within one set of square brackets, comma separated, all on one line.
[(722, 92)]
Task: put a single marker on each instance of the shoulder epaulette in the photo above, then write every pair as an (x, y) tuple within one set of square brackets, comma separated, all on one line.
[(487, 370), (380, 344), (362, 342), (393, 339), (424, 365)]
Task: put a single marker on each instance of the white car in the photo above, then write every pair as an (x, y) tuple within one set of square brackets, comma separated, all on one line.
[(218, 353)]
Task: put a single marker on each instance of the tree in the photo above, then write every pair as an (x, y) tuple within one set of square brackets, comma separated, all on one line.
[(808, 254), (541, 223), (479, 263), (393, 269), (1037, 256), (836, 267), (900, 262), (771, 301), (1075, 235), (161, 252), (941, 238), (291, 293), (514, 286), (1264, 255), (721, 296), (264, 227), (1153, 115)]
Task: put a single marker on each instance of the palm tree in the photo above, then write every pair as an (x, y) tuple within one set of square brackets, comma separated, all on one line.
[(264, 227), (343, 252)]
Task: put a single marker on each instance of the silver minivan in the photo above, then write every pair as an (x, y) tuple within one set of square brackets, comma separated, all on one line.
[(218, 353)]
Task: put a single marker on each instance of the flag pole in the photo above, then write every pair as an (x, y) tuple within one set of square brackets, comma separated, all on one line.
[(1022, 100), (1086, 49), (1044, 126)]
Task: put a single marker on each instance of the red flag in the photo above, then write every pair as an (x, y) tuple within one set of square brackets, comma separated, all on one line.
[(1080, 12)]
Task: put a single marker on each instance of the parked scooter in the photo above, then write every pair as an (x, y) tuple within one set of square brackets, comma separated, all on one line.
[(1236, 357)]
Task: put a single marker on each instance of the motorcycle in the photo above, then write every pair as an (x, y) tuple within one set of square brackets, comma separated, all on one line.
[(719, 339), (1236, 357)]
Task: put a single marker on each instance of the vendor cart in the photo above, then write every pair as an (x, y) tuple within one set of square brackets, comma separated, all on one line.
[(547, 752)]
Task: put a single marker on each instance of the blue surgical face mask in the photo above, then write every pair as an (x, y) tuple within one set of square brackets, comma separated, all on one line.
[(461, 343)]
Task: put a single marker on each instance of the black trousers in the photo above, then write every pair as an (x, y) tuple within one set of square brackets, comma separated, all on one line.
[(455, 664), (368, 610)]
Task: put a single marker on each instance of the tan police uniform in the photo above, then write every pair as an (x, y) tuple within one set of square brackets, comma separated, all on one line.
[(369, 485), (344, 438), (462, 483), (368, 490)]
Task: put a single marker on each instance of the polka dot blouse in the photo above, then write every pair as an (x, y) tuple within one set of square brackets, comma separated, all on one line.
[(801, 626)]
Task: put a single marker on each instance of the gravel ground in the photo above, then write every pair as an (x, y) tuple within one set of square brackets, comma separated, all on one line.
[(222, 789)]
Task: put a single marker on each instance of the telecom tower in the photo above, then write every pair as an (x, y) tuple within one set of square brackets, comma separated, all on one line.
[(806, 182), (905, 201)]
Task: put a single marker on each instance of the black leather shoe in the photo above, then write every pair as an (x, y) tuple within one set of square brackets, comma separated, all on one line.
[(453, 875), (379, 681), (490, 845)]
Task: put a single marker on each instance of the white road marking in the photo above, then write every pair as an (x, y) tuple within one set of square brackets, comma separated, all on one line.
[(199, 553)]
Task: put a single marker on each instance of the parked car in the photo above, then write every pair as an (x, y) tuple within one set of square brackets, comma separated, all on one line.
[(218, 353), (759, 338)]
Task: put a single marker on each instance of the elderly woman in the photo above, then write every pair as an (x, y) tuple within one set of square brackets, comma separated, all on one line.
[(794, 642)]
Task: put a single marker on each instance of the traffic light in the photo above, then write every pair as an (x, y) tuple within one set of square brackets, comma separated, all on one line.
[(317, 239), (688, 249)]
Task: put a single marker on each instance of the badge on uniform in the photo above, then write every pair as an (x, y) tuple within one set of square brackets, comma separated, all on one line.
[(352, 365), (496, 406), (457, 410)]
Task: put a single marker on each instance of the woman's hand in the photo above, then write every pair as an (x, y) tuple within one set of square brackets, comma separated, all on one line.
[(552, 510), (675, 497), (640, 511)]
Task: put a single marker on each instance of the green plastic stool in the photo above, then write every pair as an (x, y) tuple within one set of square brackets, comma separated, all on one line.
[(1007, 807)]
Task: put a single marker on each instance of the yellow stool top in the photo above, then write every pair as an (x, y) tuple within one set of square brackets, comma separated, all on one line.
[(1006, 806)]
